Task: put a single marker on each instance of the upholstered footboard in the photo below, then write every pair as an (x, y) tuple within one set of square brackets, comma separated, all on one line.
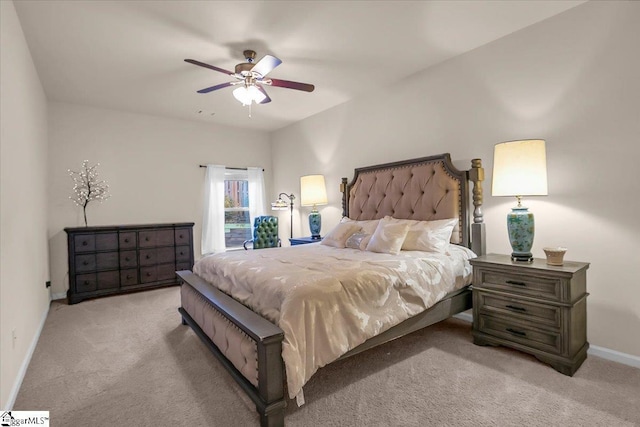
[(248, 346)]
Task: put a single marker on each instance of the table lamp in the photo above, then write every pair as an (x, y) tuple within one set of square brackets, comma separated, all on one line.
[(313, 192), (520, 169)]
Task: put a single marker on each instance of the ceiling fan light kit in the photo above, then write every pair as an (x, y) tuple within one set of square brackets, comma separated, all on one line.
[(252, 77)]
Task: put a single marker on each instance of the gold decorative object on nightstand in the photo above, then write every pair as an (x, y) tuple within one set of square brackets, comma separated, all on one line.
[(535, 308)]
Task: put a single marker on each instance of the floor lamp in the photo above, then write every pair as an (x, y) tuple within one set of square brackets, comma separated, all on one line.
[(282, 205)]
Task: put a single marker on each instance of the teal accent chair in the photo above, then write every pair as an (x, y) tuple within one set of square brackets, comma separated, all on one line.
[(265, 233)]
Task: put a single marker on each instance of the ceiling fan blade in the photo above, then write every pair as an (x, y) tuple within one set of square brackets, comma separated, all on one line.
[(266, 64), (216, 87), (289, 84), (267, 99), (211, 67)]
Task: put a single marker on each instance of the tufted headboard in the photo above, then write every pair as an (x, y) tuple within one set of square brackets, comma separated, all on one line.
[(427, 188)]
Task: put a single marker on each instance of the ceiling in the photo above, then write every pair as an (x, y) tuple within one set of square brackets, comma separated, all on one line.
[(129, 55)]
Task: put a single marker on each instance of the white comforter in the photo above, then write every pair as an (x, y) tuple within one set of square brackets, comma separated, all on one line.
[(328, 300)]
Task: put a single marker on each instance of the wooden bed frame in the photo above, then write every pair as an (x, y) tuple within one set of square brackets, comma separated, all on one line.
[(268, 389)]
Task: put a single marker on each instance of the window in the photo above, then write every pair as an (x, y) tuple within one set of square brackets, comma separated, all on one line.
[(237, 221), (232, 199)]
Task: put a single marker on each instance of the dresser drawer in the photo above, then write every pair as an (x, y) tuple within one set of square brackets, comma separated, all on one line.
[(157, 256), (108, 280), (183, 266), (85, 263), (84, 243), (129, 277), (86, 283), (542, 314), (548, 341), (533, 286), (153, 238), (106, 241), (183, 253), (183, 236), (127, 240), (128, 259)]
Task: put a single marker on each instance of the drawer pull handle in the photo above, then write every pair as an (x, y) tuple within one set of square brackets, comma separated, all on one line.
[(86, 283), (513, 282), (148, 257), (126, 240), (513, 307), (181, 253), (84, 243), (146, 239), (515, 331), (180, 236)]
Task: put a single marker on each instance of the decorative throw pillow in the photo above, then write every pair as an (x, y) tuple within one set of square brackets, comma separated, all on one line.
[(429, 236), (388, 237), (339, 235), (368, 226), (358, 240)]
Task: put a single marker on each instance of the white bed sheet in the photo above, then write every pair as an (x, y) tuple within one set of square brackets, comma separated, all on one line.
[(329, 300)]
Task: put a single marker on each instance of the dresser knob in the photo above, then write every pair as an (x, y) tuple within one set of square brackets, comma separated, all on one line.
[(126, 240), (86, 283), (126, 259), (181, 253), (84, 243), (148, 257), (148, 274), (85, 263), (146, 239), (128, 276), (180, 236)]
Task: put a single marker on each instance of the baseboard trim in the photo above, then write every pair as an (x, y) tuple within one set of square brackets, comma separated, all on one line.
[(61, 295), (25, 363), (594, 350)]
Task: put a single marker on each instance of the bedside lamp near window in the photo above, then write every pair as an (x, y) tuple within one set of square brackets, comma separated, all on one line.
[(313, 192), (520, 169)]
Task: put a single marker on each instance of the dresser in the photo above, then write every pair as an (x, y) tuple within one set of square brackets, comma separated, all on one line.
[(109, 260), (532, 307)]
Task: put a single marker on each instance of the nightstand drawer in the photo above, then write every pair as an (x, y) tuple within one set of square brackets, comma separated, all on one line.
[(548, 341), (542, 314), (521, 284)]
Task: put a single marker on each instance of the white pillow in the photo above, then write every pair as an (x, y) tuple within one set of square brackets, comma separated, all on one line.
[(358, 240), (339, 235), (429, 236), (388, 237), (368, 226)]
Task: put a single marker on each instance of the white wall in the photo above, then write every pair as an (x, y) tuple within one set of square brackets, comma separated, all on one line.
[(151, 166), (24, 300), (572, 80)]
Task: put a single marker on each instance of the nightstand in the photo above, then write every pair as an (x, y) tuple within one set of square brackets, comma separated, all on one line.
[(532, 307), (302, 240)]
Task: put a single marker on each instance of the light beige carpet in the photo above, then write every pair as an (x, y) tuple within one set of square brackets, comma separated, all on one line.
[(127, 360)]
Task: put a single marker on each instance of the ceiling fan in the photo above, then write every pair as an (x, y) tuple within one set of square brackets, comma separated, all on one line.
[(251, 78)]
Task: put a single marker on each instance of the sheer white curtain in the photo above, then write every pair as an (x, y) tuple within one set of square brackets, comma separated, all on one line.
[(213, 218), (257, 203)]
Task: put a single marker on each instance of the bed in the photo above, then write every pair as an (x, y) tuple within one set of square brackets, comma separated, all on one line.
[(260, 347)]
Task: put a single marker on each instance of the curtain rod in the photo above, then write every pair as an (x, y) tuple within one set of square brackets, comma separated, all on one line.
[(226, 167)]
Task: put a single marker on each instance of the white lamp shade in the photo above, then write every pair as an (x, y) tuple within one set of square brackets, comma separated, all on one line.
[(247, 94), (313, 191), (242, 95), (520, 168)]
